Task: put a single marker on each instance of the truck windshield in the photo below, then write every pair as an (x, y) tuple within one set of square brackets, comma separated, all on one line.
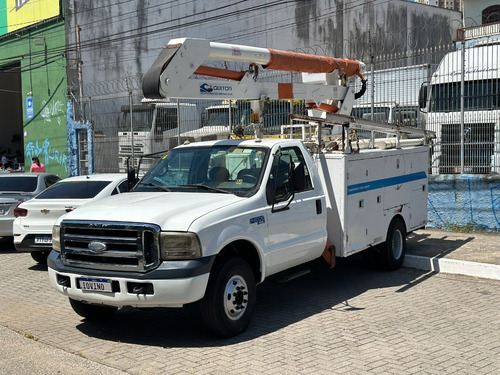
[(219, 116), (479, 95), (379, 113), (218, 168), (141, 119)]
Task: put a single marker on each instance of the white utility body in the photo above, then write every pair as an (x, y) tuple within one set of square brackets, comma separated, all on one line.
[(366, 190), (212, 219)]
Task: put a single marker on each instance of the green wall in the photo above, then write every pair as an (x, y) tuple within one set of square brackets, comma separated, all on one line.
[(40, 52)]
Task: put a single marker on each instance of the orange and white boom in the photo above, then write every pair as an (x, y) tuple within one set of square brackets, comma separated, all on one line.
[(325, 79)]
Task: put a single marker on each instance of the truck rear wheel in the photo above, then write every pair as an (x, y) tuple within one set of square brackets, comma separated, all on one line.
[(229, 301), (394, 249), (92, 312)]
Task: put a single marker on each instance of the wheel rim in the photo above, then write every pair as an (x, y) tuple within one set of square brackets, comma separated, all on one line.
[(235, 297), (397, 244)]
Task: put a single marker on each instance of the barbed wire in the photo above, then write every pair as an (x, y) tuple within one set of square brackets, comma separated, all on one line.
[(387, 53)]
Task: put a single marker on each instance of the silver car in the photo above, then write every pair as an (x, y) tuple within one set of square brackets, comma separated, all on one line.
[(16, 187)]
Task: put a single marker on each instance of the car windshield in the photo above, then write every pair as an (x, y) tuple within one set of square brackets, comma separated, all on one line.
[(219, 168), (73, 190), (24, 184)]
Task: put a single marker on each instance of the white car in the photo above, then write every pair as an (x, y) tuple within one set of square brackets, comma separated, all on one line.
[(34, 219)]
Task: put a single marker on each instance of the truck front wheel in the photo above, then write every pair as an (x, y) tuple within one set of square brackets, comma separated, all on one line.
[(40, 256), (92, 312), (393, 250), (229, 301)]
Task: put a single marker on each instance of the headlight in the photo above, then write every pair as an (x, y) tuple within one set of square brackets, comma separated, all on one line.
[(177, 246), (56, 238)]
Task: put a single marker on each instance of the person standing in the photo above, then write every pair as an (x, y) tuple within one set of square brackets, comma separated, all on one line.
[(36, 166), (7, 163)]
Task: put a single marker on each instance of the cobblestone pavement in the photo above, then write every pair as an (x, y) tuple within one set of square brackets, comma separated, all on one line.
[(353, 319)]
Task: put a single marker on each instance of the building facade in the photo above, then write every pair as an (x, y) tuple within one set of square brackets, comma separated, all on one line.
[(33, 83)]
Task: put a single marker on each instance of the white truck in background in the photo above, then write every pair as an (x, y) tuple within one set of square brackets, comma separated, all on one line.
[(390, 112), (150, 126), (441, 100), (213, 219), (394, 94)]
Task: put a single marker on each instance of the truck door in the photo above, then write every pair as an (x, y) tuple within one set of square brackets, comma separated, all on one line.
[(297, 230)]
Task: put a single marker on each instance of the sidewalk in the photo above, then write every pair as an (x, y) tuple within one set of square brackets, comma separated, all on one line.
[(473, 254)]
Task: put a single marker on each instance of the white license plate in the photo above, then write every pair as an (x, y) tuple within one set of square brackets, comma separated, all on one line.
[(95, 285), (43, 239)]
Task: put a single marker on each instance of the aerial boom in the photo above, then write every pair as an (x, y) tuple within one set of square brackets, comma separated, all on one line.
[(173, 75)]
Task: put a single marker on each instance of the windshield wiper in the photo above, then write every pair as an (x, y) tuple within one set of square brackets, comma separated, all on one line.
[(206, 187), (155, 185)]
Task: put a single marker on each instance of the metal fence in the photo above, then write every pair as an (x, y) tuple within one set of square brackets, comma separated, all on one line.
[(460, 82)]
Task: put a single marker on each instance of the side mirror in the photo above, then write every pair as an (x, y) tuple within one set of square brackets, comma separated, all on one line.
[(270, 195), (422, 95), (280, 187), (299, 177), (131, 179)]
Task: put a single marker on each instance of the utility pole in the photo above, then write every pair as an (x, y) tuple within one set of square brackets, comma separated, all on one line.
[(79, 66)]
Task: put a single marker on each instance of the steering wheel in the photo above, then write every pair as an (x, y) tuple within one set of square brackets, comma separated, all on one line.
[(248, 178)]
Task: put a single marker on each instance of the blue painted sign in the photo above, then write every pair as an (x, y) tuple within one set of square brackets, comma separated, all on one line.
[(29, 107)]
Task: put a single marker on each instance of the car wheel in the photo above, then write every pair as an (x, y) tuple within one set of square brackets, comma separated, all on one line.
[(40, 256), (229, 301), (92, 312)]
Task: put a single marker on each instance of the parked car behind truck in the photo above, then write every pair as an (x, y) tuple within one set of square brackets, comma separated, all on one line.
[(32, 227), (16, 187)]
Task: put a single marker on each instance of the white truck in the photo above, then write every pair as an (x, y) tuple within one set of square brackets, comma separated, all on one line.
[(394, 95), (390, 112), (212, 219), (467, 141), (149, 126)]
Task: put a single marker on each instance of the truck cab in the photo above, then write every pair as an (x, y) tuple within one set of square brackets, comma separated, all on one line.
[(258, 201)]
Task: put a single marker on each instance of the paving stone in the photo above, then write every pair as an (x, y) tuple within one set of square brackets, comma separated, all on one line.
[(353, 319)]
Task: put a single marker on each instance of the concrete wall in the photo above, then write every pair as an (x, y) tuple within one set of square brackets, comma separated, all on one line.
[(123, 39), (467, 202)]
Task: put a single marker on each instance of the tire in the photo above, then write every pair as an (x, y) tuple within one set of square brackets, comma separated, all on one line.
[(394, 249), (229, 301), (92, 312), (40, 256)]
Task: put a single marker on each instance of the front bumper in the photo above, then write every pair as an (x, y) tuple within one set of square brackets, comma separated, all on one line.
[(173, 284)]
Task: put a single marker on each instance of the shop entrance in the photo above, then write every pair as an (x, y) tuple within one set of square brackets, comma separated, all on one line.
[(11, 115)]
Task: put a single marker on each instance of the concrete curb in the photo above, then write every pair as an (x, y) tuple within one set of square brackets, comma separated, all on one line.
[(461, 267)]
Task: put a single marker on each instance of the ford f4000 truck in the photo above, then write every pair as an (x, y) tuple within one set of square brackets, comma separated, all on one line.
[(211, 220)]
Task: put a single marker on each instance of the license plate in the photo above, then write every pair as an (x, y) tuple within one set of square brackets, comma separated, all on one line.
[(43, 239), (95, 285)]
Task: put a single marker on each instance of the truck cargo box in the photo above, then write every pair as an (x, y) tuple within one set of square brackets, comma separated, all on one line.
[(365, 190)]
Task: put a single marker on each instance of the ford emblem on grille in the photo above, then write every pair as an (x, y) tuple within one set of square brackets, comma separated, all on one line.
[(97, 247)]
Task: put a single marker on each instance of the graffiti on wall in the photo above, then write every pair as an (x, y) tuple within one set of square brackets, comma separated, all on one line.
[(495, 202), (46, 153), (54, 108)]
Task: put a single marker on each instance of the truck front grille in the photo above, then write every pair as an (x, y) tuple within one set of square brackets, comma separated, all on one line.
[(110, 245)]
